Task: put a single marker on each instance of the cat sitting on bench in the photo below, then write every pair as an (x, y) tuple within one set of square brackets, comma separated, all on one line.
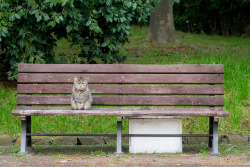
[(81, 97)]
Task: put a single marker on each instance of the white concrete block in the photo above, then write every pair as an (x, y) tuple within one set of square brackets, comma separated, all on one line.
[(155, 144)]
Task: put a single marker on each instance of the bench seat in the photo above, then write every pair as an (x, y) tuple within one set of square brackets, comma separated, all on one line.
[(120, 111)]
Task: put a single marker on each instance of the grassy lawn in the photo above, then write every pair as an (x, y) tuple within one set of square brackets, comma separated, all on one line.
[(233, 52)]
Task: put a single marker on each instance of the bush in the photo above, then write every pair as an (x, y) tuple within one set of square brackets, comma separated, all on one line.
[(224, 17), (29, 29)]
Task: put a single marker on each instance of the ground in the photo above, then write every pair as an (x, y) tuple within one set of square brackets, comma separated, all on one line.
[(125, 160), (103, 156)]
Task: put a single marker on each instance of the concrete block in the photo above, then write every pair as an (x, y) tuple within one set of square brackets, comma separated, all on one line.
[(237, 138), (100, 140), (109, 140), (197, 140), (41, 140), (18, 141), (5, 140), (155, 144), (112, 140), (37, 140), (65, 140), (184, 140), (125, 140), (90, 140), (223, 139)]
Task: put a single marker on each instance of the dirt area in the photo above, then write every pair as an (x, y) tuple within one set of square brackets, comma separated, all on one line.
[(125, 160), (71, 156)]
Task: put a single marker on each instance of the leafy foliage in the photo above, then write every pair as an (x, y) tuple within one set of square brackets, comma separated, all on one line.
[(29, 29), (224, 17)]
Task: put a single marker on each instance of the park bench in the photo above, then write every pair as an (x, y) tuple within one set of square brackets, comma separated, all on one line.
[(130, 91)]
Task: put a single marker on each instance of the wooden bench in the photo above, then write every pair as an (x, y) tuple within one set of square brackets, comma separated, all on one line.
[(145, 90)]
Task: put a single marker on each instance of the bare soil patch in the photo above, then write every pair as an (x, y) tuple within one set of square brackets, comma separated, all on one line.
[(71, 156)]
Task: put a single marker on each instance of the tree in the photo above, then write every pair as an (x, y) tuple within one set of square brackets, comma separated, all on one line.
[(161, 24), (224, 17)]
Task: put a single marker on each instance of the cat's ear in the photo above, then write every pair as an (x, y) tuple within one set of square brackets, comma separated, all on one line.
[(86, 78), (76, 78)]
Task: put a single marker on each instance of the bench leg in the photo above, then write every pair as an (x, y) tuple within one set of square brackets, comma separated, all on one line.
[(119, 136), (23, 135), (210, 139), (28, 138), (215, 150), (25, 128)]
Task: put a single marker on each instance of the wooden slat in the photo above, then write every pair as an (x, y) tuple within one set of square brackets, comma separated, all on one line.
[(124, 89), (127, 100), (121, 68), (124, 78), (121, 111), (161, 108)]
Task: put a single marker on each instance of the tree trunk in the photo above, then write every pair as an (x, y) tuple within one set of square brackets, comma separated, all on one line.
[(161, 24)]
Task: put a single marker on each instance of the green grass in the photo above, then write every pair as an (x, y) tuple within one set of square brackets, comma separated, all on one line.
[(1, 150), (238, 149), (233, 52), (9, 124)]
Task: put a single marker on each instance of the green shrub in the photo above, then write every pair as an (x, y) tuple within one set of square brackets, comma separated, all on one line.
[(29, 29)]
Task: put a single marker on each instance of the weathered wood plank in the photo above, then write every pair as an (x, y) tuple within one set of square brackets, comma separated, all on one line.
[(121, 68), (123, 111), (127, 100), (124, 78), (161, 108), (124, 89)]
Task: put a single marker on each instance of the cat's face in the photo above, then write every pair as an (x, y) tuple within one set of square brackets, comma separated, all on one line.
[(80, 83)]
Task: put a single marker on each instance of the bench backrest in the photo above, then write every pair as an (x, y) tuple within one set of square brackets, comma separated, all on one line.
[(123, 84)]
